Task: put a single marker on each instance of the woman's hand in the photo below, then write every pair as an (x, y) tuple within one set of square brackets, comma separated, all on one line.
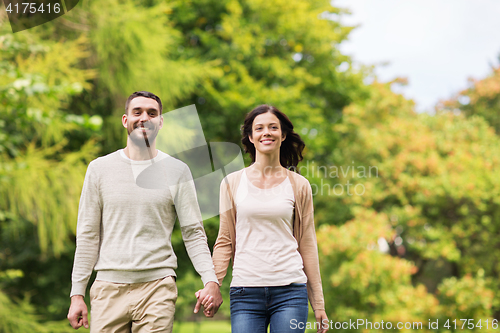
[(322, 320)]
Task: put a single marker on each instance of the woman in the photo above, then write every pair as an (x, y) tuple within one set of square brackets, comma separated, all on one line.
[(267, 228)]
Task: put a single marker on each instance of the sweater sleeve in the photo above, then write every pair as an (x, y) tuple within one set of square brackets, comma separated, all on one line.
[(223, 245), (88, 233), (308, 248), (193, 233)]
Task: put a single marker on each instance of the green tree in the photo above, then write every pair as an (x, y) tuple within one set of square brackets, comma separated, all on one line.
[(481, 98), (362, 282), (278, 52), (41, 172), (431, 195), (131, 46)]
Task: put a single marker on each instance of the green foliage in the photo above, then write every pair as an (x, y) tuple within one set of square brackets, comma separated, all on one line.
[(36, 81), (482, 98), (467, 297), (362, 282), (187, 286), (44, 151), (30, 272), (433, 199), (21, 317), (34, 145), (276, 52), (131, 51)]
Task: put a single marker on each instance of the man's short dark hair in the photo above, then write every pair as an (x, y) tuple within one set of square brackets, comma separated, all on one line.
[(146, 94)]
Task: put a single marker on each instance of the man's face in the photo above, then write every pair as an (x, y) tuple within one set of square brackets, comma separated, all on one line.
[(142, 120)]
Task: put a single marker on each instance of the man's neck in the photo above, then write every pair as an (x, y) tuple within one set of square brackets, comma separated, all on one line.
[(140, 154)]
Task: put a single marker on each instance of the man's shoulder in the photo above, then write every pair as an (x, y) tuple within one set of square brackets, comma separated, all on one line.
[(171, 160), (171, 163), (106, 159)]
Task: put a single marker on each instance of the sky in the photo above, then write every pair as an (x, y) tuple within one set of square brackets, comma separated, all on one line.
[(436, 44)]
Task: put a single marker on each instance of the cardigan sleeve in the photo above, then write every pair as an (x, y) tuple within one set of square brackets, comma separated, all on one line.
[(223, 245), (308, 248)]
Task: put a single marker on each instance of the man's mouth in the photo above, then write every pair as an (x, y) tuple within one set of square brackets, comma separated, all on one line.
[(143, 127)]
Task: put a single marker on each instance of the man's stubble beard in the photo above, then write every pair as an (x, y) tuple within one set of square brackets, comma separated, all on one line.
[(139, 137)]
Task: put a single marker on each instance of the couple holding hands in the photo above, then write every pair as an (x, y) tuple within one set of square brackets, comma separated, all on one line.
[(266, 229)]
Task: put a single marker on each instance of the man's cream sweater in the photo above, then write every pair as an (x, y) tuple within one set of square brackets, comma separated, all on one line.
[(125, 220)]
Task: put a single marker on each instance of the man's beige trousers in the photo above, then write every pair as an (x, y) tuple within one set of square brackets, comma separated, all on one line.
[(133, 307)]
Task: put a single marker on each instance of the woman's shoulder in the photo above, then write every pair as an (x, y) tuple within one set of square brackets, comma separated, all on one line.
[(233, 176), (298, 178)]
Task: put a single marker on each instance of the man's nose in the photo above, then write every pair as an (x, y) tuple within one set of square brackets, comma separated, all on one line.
[(144, 117)]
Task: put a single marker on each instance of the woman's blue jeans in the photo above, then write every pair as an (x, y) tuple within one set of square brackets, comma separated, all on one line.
[(253, 309)]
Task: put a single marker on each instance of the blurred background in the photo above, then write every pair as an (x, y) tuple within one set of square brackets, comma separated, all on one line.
[(405, 180)]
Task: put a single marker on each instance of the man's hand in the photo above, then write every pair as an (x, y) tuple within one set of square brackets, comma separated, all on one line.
[(77, 314), (322, 319), (211, 299)]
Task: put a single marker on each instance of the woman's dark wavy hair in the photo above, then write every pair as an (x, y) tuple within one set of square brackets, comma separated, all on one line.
[(291, 148)]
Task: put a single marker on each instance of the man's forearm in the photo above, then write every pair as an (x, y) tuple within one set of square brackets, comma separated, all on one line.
[(195, 241), (88, 233), (82, 269), (87, 250)]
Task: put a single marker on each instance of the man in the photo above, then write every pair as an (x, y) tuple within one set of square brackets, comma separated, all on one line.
[(129, 202)]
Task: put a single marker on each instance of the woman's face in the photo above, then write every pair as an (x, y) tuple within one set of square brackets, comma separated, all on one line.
[(266, 133)]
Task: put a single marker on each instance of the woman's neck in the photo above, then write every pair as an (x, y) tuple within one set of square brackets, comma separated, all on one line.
[(267, 166)]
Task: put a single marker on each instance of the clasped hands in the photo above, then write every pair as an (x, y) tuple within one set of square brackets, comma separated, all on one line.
[(211, 299)]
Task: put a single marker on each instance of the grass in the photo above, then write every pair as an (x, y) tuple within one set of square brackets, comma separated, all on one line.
[(205, 326)]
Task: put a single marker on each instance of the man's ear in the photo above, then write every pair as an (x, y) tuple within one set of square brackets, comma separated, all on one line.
[(161, 121), (124, 120)]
